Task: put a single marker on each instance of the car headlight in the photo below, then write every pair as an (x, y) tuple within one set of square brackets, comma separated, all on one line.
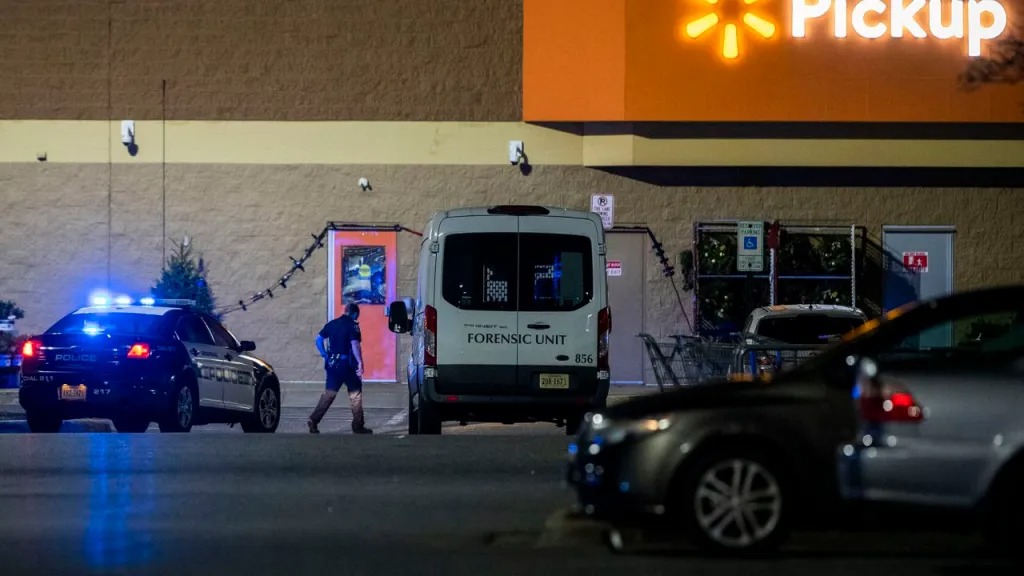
[(616, 431)]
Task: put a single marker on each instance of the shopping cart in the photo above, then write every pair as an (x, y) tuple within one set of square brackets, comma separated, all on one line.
[(688, 360)]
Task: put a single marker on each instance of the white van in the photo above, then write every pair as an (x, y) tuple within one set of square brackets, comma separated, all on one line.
[(511, 320)]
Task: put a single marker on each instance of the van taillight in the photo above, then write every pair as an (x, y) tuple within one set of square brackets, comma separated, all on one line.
[(430, 337), (604, 331)]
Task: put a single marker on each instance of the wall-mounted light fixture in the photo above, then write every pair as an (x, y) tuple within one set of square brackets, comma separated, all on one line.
[(364, 184)]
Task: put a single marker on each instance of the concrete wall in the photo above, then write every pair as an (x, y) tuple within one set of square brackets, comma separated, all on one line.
[(246, 220), (261, 59)]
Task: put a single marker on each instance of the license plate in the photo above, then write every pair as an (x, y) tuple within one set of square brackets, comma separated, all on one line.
[(69, 392), (554, 381)]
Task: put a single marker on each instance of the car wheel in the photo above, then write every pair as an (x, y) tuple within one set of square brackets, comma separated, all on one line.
[(266, 414), (428, 420), (41, 423), (181, 412), (413, 418), (734, 502), (129, 424)]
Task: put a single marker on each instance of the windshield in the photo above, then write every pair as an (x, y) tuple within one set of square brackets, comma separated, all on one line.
[(806, 328), (107, 323)]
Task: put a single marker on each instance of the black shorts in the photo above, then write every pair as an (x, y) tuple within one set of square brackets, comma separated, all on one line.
[(348, 378)]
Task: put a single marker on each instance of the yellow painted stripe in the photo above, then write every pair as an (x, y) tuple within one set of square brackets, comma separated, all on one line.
[(464, 143)]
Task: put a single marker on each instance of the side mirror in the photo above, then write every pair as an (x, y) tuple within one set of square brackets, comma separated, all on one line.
[(247, 345), (398, 318)]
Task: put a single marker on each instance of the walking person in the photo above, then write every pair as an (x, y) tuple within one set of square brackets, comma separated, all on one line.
[(339, 343)]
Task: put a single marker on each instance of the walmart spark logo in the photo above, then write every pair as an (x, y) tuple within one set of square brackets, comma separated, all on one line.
[(732, 13)]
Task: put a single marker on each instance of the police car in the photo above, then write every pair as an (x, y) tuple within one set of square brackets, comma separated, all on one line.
[(147, 361)]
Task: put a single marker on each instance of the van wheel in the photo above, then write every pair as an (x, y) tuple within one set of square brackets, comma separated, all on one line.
[(427, 419), (572, 424)]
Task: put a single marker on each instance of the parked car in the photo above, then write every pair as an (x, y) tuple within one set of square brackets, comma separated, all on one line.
[(137, 363), (781, 336), (923, 407)]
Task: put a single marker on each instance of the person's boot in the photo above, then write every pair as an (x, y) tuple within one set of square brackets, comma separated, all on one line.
[(358, 419), (326, 399)]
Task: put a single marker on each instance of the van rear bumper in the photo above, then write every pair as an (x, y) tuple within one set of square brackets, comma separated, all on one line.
[(488, 400)]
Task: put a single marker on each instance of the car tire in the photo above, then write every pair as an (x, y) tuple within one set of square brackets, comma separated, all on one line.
[(130, 425), (266, 414), (41, 423), (753, 509), (414, 419), (427, 418), (181, 410)]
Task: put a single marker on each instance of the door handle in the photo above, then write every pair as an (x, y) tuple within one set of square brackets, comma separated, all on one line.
[(228, 357), (538, 326), (194, 352)]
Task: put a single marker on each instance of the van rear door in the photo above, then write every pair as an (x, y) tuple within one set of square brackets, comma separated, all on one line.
[(477, 322), (559, 302)]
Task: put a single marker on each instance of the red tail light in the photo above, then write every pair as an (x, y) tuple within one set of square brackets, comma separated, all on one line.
[(604, 331), (430, 337), (30, 348), (139, 350), (890, 406)]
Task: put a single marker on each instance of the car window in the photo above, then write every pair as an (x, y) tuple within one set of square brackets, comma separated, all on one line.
[(997, 333), (109, 323), (556, 272), (480, 271), (192, 329), (806, 328), (221, 336)]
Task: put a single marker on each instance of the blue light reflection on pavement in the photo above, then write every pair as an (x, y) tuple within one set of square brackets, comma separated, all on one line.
[(117, 500)]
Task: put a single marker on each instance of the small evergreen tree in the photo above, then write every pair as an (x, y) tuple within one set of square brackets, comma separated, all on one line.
[(184, 278)]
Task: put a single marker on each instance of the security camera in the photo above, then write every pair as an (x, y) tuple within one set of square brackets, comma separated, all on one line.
[(127, 132), (515, 152), (365, 184)]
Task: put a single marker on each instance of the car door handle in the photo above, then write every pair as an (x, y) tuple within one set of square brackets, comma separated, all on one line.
[(538, 326), (228, 357), (194, 352)]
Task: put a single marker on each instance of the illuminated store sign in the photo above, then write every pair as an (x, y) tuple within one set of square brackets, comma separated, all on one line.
[(975, 21)]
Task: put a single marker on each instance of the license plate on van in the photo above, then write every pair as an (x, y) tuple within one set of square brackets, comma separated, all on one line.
[(554, 381)]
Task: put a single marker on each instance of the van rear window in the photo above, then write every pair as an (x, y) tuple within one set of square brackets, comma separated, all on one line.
[(508, 272), (480, 271)]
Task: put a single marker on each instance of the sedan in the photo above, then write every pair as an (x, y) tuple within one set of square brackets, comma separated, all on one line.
[(922, 407)]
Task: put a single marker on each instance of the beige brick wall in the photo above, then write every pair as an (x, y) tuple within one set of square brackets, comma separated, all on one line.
[(248, 219), (261, 59)]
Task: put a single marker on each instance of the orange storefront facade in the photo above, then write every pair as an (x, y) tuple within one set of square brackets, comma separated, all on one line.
[(762, 61)]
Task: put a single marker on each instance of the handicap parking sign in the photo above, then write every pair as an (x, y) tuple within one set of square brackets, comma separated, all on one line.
[(750, 242)]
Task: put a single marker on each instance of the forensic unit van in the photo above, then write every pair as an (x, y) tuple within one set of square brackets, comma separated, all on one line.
[(511, 321)]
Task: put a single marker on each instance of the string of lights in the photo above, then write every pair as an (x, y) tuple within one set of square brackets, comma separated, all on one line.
[(298, 264)]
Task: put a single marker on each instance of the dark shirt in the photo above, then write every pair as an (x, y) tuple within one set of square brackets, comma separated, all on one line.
[(340, 333)]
